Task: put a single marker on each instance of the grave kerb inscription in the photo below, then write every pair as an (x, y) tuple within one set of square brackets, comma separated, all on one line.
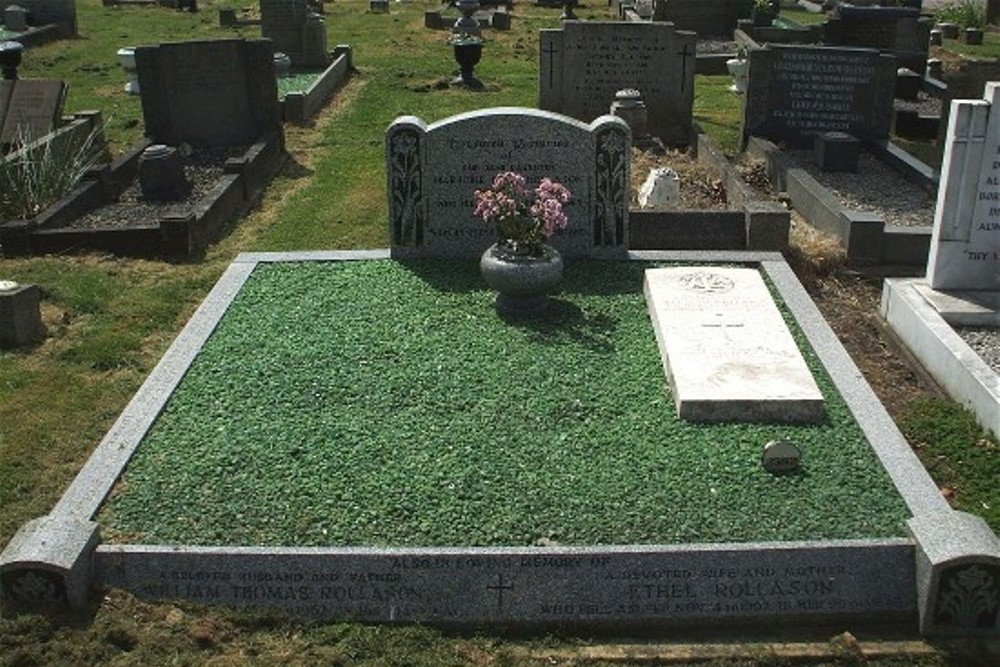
[(530, 586)]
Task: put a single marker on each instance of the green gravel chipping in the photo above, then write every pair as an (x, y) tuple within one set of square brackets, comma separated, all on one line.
[(380, 403)]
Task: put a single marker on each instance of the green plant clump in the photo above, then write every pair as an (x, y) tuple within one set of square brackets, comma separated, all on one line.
[(965, 13), (387, 404), (43, 171)]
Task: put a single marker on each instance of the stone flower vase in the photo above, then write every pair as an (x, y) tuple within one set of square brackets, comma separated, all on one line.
[(522, 281)]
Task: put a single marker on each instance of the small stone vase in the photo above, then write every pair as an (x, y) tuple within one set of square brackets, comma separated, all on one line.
[(522, 281)]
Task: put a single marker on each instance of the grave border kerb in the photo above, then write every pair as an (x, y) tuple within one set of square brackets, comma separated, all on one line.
[(86, 493)]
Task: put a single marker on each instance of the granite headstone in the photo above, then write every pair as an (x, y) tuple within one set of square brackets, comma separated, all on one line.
[(583, 64), (296, 31), (797, 92), (434, 170), (208, 93), (29, 107)]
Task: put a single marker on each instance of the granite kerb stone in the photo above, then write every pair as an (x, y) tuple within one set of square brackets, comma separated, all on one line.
[(907, 309), (299, 106), (551, 587), (855, 229), (862, 578)]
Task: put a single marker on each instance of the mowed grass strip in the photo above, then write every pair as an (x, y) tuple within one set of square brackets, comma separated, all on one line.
[(387, 404)]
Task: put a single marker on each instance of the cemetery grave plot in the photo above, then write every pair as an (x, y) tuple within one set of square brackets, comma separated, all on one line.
[(305, 90), (226, 116), (837, 103), (452, 414), (569, 543)]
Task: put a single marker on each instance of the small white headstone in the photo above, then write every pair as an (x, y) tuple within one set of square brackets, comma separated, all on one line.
[(8, 285), (781, 456), (662, 188)]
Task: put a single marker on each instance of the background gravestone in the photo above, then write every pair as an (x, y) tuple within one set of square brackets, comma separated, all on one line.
[(434, 170), (797, 92), (31, 106), (965, 243), (899, 31), (583, 64), (208, 93), (61, 13), (295, 31), (708, 18)]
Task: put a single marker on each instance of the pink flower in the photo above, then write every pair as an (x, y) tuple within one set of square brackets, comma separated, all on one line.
[(523, 217)]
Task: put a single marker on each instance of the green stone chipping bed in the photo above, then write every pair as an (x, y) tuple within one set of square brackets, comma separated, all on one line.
[(379, 403)]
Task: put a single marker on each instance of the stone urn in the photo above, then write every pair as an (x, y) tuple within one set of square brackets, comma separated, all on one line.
[(126, 56), (738, 69), (522, 281)]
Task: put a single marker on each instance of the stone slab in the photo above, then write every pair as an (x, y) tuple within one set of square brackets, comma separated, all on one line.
[(605, 586), (34, 107), (726, 349), (932, 340), (965, 244), (49, 562), (434, 170), (584, 63)]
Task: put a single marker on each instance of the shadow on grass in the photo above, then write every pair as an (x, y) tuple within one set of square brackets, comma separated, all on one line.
[(563, 321)]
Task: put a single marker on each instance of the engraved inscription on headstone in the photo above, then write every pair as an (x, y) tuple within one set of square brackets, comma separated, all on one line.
[(965, 244), (434, 170), (583, 64), (727, 351), (797, 92)]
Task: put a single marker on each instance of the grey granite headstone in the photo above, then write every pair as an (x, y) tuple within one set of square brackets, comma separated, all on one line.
[(33, 108), (797, 92), (15, 18), (717, 18), (49, 562), (208, 93), (434, 170), (958, 574), (295, 30), (965, 242), (583, 64)]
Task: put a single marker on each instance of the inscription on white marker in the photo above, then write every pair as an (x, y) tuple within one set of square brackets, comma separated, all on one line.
[(726, 349)]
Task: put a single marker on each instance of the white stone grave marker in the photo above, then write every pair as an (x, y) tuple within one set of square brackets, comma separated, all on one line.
[(726, 349)]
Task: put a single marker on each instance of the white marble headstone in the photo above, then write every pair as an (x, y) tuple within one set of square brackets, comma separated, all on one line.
[(965, 245)]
